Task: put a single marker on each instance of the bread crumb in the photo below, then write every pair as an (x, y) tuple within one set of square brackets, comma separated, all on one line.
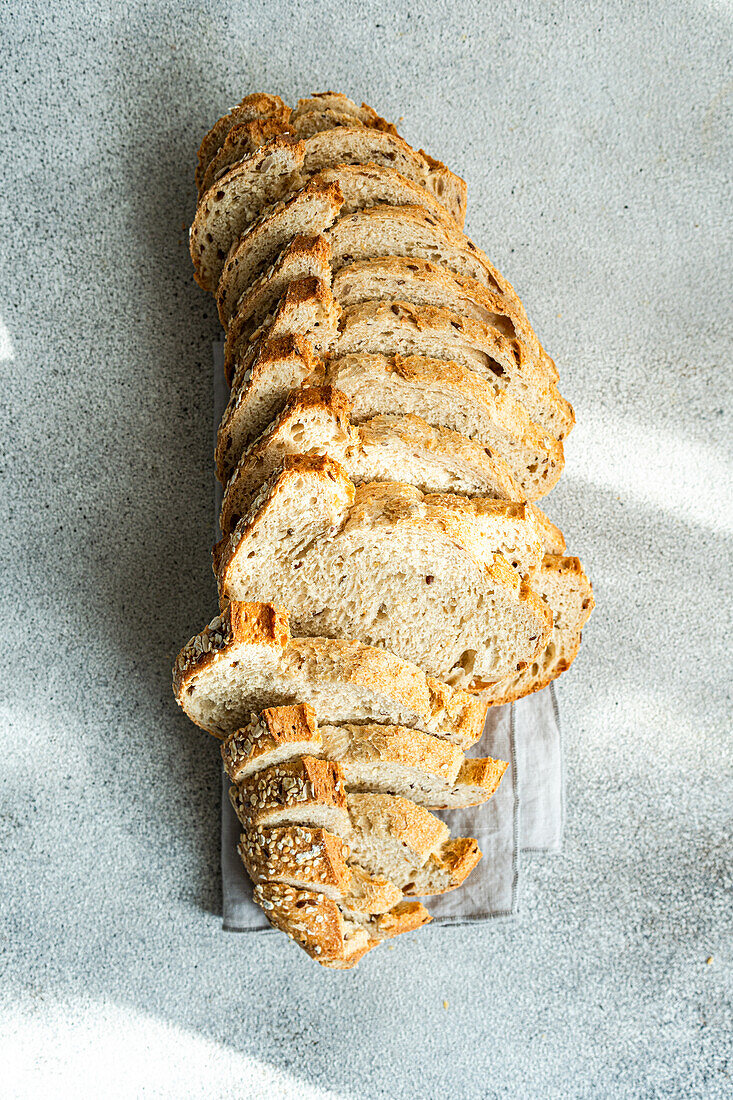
[(709, 959), (445, 1004)]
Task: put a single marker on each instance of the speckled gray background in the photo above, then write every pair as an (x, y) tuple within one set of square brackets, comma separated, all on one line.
[(594, 138)]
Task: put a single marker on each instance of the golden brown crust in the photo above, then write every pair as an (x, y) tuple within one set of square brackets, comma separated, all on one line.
[(274, 729), (318, 925), (302, 257), (484, 773), (258, 106), (407, 917), (314, 921), (306, 308)]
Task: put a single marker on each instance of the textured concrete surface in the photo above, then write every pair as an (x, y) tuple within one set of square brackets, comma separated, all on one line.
[(595, 140)]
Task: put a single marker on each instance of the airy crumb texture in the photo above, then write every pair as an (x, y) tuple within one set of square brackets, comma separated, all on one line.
[(451, 592)]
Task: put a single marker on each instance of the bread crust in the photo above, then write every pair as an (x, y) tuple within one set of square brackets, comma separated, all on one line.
[(304, 256), (291, 355), (564, 642), (258, 106)]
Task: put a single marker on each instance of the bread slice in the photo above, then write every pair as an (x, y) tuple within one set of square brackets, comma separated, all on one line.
[(241, 142), (359, 185), (233, 203), (410, 279), (257, 107), (331, 148), (301, 791), (386, 835), (337, 101), (562, 583), (334, 938), (412, 231), (316, 421), (447, 394), (400, 328), (314, 859), (307, 308), (379, 758), (246, 660), (436, 579)]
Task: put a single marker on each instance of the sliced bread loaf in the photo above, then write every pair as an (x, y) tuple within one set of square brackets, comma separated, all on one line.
[(386, 759), (436, 579), (316, 421), (562, 583), (401, 328), (314, 859), (246, 660)]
